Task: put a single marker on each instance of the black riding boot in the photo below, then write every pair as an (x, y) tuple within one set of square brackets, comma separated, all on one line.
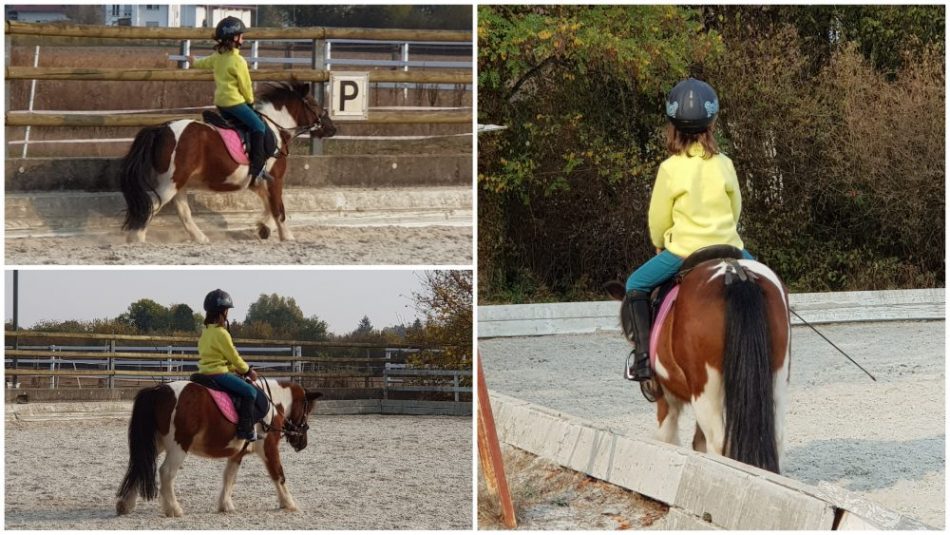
[(636, 326), (245, 425), (258, 159)]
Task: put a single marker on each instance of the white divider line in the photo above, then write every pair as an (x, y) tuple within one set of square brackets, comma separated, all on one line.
[(703, 491)]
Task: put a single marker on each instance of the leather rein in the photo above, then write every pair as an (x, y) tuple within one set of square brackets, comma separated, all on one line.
[(289, 427), (292, 133)]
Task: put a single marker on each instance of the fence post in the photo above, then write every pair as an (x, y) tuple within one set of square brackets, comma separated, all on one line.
[(297, 365), (185, 50), (255, 48), (36, 63), (385, 383), (111, 380), (52, 367), (455, 383), (405, 67), (318, 62)]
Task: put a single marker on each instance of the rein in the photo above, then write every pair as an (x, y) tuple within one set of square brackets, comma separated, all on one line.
[(290, 428)]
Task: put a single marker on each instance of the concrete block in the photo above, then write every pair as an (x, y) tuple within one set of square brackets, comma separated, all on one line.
[(595, 316), (703, 491), (735, 496), (678, 520)]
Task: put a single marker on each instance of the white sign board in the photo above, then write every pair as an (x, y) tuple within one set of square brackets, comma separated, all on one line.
[(349, 95)]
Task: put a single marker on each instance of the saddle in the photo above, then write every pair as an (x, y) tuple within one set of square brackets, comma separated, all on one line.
[(237, 138), (663, 297), (227, 402)]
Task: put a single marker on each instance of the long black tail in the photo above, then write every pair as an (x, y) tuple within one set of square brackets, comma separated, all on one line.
[(143, 444), (137, 178), (747, 373)]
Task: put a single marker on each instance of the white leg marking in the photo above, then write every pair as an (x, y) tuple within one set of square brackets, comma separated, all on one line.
[(708, 407), (669, 427), (173, 458), (184, 213), (225, 505)]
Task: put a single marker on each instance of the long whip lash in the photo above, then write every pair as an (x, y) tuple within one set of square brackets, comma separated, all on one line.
[(832, 344)]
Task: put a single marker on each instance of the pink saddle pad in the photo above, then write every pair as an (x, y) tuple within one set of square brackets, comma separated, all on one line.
[(225, 405), (233, 142), (658, 324)]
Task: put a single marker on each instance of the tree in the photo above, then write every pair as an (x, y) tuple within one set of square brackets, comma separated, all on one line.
[(146, 316), (182, 318), (446, 303), (444, 17), (365, 326), (286, 318)]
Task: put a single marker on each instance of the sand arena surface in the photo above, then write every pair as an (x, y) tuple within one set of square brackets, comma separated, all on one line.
[(313, 245), (884, 441), (357, 473)]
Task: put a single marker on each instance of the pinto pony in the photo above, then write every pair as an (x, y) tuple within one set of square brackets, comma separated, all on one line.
[(724, 348), (164, 161), (181, 418)]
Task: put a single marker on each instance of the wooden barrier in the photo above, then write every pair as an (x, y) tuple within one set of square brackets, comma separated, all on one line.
[(201, 75), (318, 32), (152, 119)]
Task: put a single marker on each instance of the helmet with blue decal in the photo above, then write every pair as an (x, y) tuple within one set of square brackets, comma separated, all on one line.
[(217, 301), (692, 106)]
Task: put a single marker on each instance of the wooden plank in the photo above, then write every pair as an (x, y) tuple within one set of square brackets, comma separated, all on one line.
[(423, 372), (155, 119), (193, 340), (489, 452), (25, 372), (312, 32), (460, 389), (200, 75), (76, 355)]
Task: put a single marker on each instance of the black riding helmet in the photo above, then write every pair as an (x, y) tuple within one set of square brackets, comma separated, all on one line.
[(217, 301), (228, 28), (692, 106)]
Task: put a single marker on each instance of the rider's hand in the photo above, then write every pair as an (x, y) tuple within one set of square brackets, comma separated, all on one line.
[(659, 250), (252, 375)]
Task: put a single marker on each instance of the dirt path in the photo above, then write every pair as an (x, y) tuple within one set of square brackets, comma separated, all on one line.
[(314, 245), (357, 473), (882, 440), (549, 497)]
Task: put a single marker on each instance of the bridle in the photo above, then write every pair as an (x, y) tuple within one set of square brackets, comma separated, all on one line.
[(293, 133), (289, 428)]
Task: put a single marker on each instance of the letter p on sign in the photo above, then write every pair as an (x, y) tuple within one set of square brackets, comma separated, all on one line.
[(349, 94)]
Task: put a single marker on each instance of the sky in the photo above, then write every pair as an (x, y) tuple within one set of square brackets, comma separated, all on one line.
[(340, 298)]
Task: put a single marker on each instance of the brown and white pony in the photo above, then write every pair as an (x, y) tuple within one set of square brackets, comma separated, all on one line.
[(164, 161), (181, 418), (724, 348)]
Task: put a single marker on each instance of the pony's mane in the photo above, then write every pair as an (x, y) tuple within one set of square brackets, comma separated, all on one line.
[(276, 92)]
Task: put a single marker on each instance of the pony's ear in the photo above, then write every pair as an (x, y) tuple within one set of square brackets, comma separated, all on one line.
[(313, 395), (616, 290), (301, 88)]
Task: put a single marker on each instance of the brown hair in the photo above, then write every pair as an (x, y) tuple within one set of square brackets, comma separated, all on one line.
[(225, 45), (678, 142)]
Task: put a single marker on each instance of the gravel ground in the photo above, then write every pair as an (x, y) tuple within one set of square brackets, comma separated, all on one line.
[(357, 473), (882, 440), (314, 245)]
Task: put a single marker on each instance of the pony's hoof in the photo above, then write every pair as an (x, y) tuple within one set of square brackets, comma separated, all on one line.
[(121, 508), (263, 231), (174, 512), (291, 509), (227, 508)]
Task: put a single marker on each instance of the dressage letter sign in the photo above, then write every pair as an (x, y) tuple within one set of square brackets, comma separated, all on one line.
[(349, 94)]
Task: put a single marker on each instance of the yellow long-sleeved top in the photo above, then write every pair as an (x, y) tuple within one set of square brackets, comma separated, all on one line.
[(217, 352), (695, 203), (231, 78)]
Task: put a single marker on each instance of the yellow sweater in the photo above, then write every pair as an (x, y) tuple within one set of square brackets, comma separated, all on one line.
[(695, 203), (217, 352), (231, 77)]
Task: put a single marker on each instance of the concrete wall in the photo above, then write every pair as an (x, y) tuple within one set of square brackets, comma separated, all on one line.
[(102, 174), (703, 491), (816, 308)]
